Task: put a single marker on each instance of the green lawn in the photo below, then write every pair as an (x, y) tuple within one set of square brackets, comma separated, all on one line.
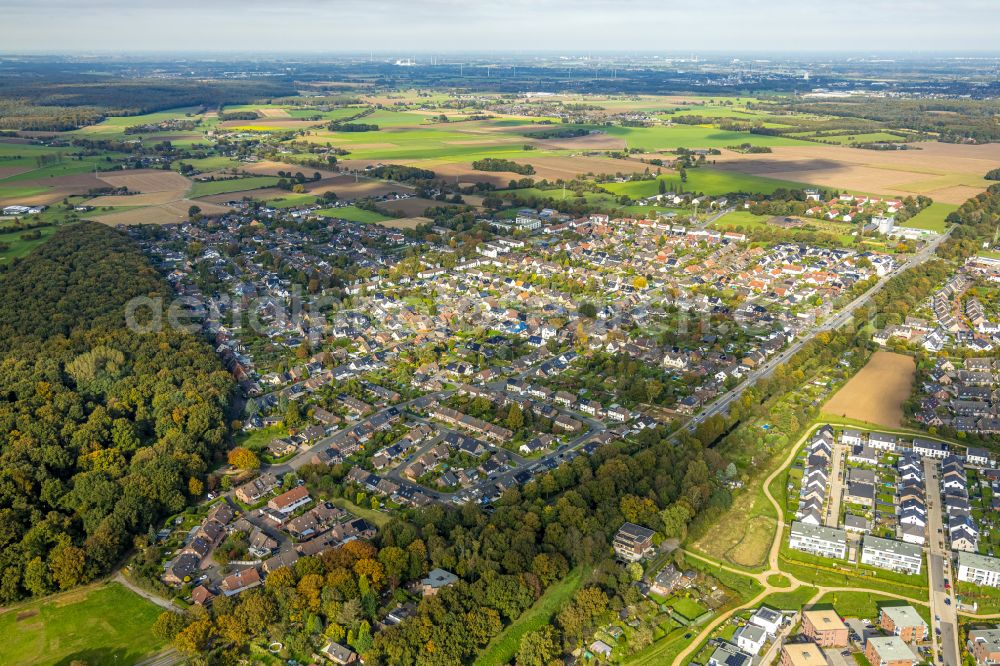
[(931, 217), (261, 437), (98, 625), (778, 580), (234, 185), (866, 604), (377, 518), (504, 646), (688, 608), (793, 600), (354, 214)]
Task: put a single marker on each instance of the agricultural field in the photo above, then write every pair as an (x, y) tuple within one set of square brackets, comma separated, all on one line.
[(208, 188), (100, 624), (354, 214), (702, 179), (948, 173), (876, 394)]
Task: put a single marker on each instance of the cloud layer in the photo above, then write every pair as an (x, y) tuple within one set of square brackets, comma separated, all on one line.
[(417, 26)]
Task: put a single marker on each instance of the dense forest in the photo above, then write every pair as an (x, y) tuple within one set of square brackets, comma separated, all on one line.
[(103, 432), (55, 102), (977, 220)]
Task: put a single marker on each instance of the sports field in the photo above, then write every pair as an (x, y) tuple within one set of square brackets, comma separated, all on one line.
[(104, 624), (876, 394)]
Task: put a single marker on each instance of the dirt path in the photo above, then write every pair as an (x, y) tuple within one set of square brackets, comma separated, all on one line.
[(148, 596)]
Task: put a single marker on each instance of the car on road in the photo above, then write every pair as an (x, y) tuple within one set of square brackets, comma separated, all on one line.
[(947, 601)]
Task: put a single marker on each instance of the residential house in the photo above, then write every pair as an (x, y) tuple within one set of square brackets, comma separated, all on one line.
[(893, 555), (824, 627), (818, 540), (291, 500), (903, 621), (888, 651), (633, 542), (240, 581)]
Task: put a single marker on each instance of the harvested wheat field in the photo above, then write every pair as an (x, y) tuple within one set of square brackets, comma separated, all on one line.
[(7, 172), (269, 168), (168, 213), (274, 113), (56, 189), (876, 394), (146, 180), (145, 199), (948, 173), (409, 207), (265, 124), (346, 187), (588, 142), (343, 186), (405, 222)]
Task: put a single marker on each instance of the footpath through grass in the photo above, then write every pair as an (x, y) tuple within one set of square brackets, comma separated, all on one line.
[(104, 624), (504, 646)]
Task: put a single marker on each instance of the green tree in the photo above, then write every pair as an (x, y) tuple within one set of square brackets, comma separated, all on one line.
[(538, 648)]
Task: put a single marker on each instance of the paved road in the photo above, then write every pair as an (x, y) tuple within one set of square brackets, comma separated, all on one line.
[(939, 568), (721, 403)]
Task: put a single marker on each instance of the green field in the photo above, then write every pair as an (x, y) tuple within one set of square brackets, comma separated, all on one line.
[(204, 164), (694, 136), (98, 625), (703, 179), (354, 214), (688, 608), (504, 646), (208, 188), (931, 217), (793, 600), (18, 247)]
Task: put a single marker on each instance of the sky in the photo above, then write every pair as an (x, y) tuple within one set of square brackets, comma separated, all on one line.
[(442, 26)]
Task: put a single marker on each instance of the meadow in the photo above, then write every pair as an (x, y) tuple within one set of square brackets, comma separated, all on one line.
[(932, 217), (702, 179), (100, 624), (354, 214), (504, 646), (210, 187)]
